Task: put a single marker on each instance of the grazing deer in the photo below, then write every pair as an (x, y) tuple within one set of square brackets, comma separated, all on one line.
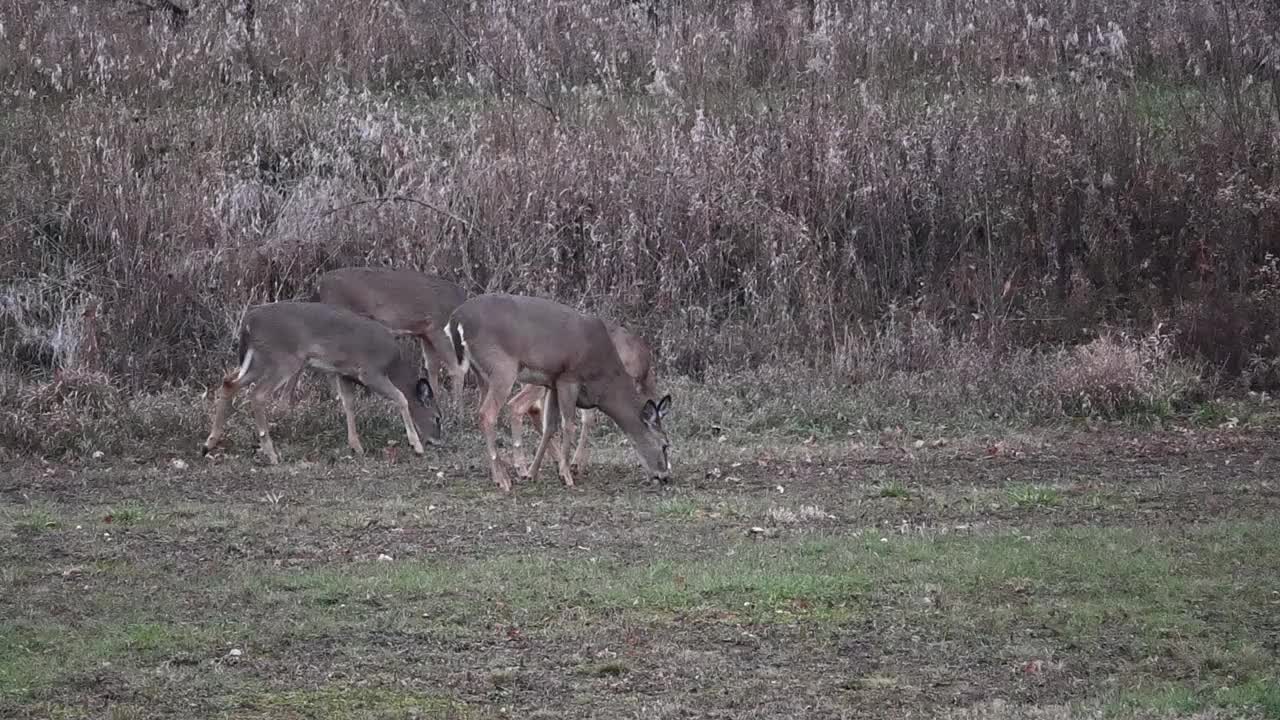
[(508, 338), (278, 340), (637, 360), (407, 302)]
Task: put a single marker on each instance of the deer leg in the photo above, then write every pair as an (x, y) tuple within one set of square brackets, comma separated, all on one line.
[(292, 392), (345, 387), (386, 389), (567, 400), (439, 348), (525, 404), (245, 374), (261, 400), (557, 437), (582, 453), (496, 389), (550, 422), (221, 409)]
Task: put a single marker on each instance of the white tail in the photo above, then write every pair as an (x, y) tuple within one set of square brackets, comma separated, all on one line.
[(459, 345)]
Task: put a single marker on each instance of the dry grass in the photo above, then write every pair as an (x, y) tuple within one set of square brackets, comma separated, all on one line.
[(881, 193)]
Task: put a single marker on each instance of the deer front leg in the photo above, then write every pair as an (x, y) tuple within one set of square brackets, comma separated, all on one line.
[(384, 387), (550, 421), (581, 454), (344, 389), (567, 400), (524, 404)]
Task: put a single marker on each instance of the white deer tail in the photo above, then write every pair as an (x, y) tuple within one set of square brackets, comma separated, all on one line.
[(457, 336)]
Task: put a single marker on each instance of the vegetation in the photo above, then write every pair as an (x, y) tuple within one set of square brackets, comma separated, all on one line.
[(784, 587), (746, 182), (899, 260)]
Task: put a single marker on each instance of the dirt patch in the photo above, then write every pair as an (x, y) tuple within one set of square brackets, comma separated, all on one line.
[(129, 586)]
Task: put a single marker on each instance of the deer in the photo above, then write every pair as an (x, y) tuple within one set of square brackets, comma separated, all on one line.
[(406, 302), (637, 360), (277, 341), (504, 338)]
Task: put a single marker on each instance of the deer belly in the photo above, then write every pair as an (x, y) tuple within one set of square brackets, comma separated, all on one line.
[(321, 365), (529, 376)]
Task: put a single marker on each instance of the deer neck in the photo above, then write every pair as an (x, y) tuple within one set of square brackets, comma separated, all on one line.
[(621, 402)]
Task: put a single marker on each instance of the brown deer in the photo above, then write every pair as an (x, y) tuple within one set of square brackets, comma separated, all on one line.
[(277, 341), (637, 360), (407, 302), (509, 338)]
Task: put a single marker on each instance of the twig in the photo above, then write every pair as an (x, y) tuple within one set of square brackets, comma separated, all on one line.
[(502, 77), (398, 198)]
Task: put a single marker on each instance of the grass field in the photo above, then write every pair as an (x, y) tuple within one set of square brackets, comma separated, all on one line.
[(1000, 574)]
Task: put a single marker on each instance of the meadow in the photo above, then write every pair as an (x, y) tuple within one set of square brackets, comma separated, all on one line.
[(970, 310)]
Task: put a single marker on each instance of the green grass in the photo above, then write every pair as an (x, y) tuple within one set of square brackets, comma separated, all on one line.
[(681, 507), (35, 657), (1092, 586), (126, 514), (32, 521), (341, 702), (1153, 604), (893, 489), (1259, 695), (1025, 496), (1083, 582)]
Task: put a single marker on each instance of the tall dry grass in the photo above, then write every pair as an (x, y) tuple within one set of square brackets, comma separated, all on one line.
[(748, 182)]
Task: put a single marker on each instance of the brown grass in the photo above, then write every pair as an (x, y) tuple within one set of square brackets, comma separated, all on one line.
[(749, 183)]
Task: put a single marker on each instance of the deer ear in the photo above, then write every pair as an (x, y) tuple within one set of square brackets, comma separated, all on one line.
[(664, 406), (424, 390), (649, 413)]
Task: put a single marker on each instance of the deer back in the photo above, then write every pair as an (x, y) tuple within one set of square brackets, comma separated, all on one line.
[(403, 300), (541, 335), (330, 335)]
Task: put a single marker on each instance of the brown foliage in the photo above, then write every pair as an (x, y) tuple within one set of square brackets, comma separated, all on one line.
[(745, 182)]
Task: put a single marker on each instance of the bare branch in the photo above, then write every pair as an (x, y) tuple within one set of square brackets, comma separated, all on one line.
[(502, 77)]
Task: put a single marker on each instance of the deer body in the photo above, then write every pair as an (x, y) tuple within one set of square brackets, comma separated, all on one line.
[(407, 302), (278, 340), (530, 401), (508, 338)]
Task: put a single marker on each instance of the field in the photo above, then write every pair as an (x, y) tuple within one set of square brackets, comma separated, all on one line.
[(785, 572), (970, 310)]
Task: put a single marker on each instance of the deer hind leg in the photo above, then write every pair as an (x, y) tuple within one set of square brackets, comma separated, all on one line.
[(582, 454), (265, 392), (245, 374), (496, 388), (388, 390), (345, 389)]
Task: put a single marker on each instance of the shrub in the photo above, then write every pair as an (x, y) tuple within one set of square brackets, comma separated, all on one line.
[(747, 183)]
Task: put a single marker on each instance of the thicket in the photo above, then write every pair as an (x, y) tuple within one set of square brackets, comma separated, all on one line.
[(747, 182)]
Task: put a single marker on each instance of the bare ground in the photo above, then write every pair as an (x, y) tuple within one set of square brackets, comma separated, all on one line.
[(1117, 573)]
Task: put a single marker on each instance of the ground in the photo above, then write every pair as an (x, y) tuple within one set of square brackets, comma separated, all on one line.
[(1056, 573)]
